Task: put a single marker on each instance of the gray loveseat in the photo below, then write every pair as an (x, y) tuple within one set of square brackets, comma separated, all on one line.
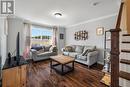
[(44, 53), (83, 54)]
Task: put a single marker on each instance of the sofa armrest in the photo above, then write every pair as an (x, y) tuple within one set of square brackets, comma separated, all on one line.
[(33, 50), (93, 53), (33, 53), (92, 58), (63, 49), (54, 49)]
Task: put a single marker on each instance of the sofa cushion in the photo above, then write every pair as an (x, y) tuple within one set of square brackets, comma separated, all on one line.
[(37, 47), (80, 57), (66, 53), (73, 54), (40, 51), (79, 49), (45, 54), (92, 48)]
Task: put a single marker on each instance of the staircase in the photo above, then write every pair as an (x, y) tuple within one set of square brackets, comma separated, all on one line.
[(125, 61), (120, 63)]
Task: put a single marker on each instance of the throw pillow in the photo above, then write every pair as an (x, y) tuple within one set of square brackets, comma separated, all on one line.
[(73, 47), (79, 49), (84, 52), (37, 47), (89, 50), (68, 49), (53, 49), (47, 47)]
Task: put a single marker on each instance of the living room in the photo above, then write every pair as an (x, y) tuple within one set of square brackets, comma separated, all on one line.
[(61, 43)]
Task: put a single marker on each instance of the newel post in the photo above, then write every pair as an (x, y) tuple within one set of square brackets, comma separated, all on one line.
[(115, 57)]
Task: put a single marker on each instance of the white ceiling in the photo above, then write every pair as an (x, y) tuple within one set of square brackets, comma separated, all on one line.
[(74, 11)]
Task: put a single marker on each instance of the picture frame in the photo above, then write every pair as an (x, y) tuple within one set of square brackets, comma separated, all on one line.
[(81, 35), (100, 31), (61, 36)]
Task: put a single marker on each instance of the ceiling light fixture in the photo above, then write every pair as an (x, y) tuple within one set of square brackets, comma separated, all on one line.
[(58, 15), (96, 3)]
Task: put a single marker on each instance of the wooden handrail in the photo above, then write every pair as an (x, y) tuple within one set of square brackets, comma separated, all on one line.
[(119, 16), (115, 50)]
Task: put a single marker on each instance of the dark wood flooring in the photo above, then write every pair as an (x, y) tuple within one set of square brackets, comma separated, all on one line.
[(39, 75)]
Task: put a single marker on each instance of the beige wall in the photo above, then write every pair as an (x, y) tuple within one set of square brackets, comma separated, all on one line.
[(128, 15), (125, 21)]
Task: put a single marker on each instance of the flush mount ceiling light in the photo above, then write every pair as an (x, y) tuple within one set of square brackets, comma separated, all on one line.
[(57, 15), (96, 3)]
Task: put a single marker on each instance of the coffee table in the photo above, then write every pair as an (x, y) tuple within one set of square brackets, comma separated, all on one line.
[(63, 64)]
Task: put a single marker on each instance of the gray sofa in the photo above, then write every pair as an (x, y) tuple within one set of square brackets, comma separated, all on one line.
[(43, 54), (83, 54)]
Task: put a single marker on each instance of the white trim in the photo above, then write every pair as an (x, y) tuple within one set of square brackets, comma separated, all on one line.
[(92, 20), (41, 25), (88, 21), (31, 22)]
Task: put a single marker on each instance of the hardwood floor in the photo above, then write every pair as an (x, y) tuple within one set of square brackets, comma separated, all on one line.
[(39, 75)]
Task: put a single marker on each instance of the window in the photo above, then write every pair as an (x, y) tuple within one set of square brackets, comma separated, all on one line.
[(41, 36)]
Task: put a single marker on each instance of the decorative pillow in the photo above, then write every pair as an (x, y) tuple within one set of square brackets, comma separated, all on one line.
[(84, 52), (89, 50), (92, 48), (47, 47), (79, 49), (73, 47), (68, 49), (53, 49), (37, 47)]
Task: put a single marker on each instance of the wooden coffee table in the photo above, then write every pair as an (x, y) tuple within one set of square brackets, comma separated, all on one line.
[(63, 64)]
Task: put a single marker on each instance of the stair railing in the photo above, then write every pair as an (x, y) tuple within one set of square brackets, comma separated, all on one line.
[(115, 50)]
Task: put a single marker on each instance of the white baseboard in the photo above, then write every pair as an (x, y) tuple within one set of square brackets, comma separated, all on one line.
[(102, 63)]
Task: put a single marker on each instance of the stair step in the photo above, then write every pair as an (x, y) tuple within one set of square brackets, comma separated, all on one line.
[(125, 61), (126, 35), (125, 75), (125, 41), (126, 51)]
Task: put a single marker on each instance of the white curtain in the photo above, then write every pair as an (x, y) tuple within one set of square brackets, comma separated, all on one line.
[(3, 39), (54, 37), (26, 40)]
